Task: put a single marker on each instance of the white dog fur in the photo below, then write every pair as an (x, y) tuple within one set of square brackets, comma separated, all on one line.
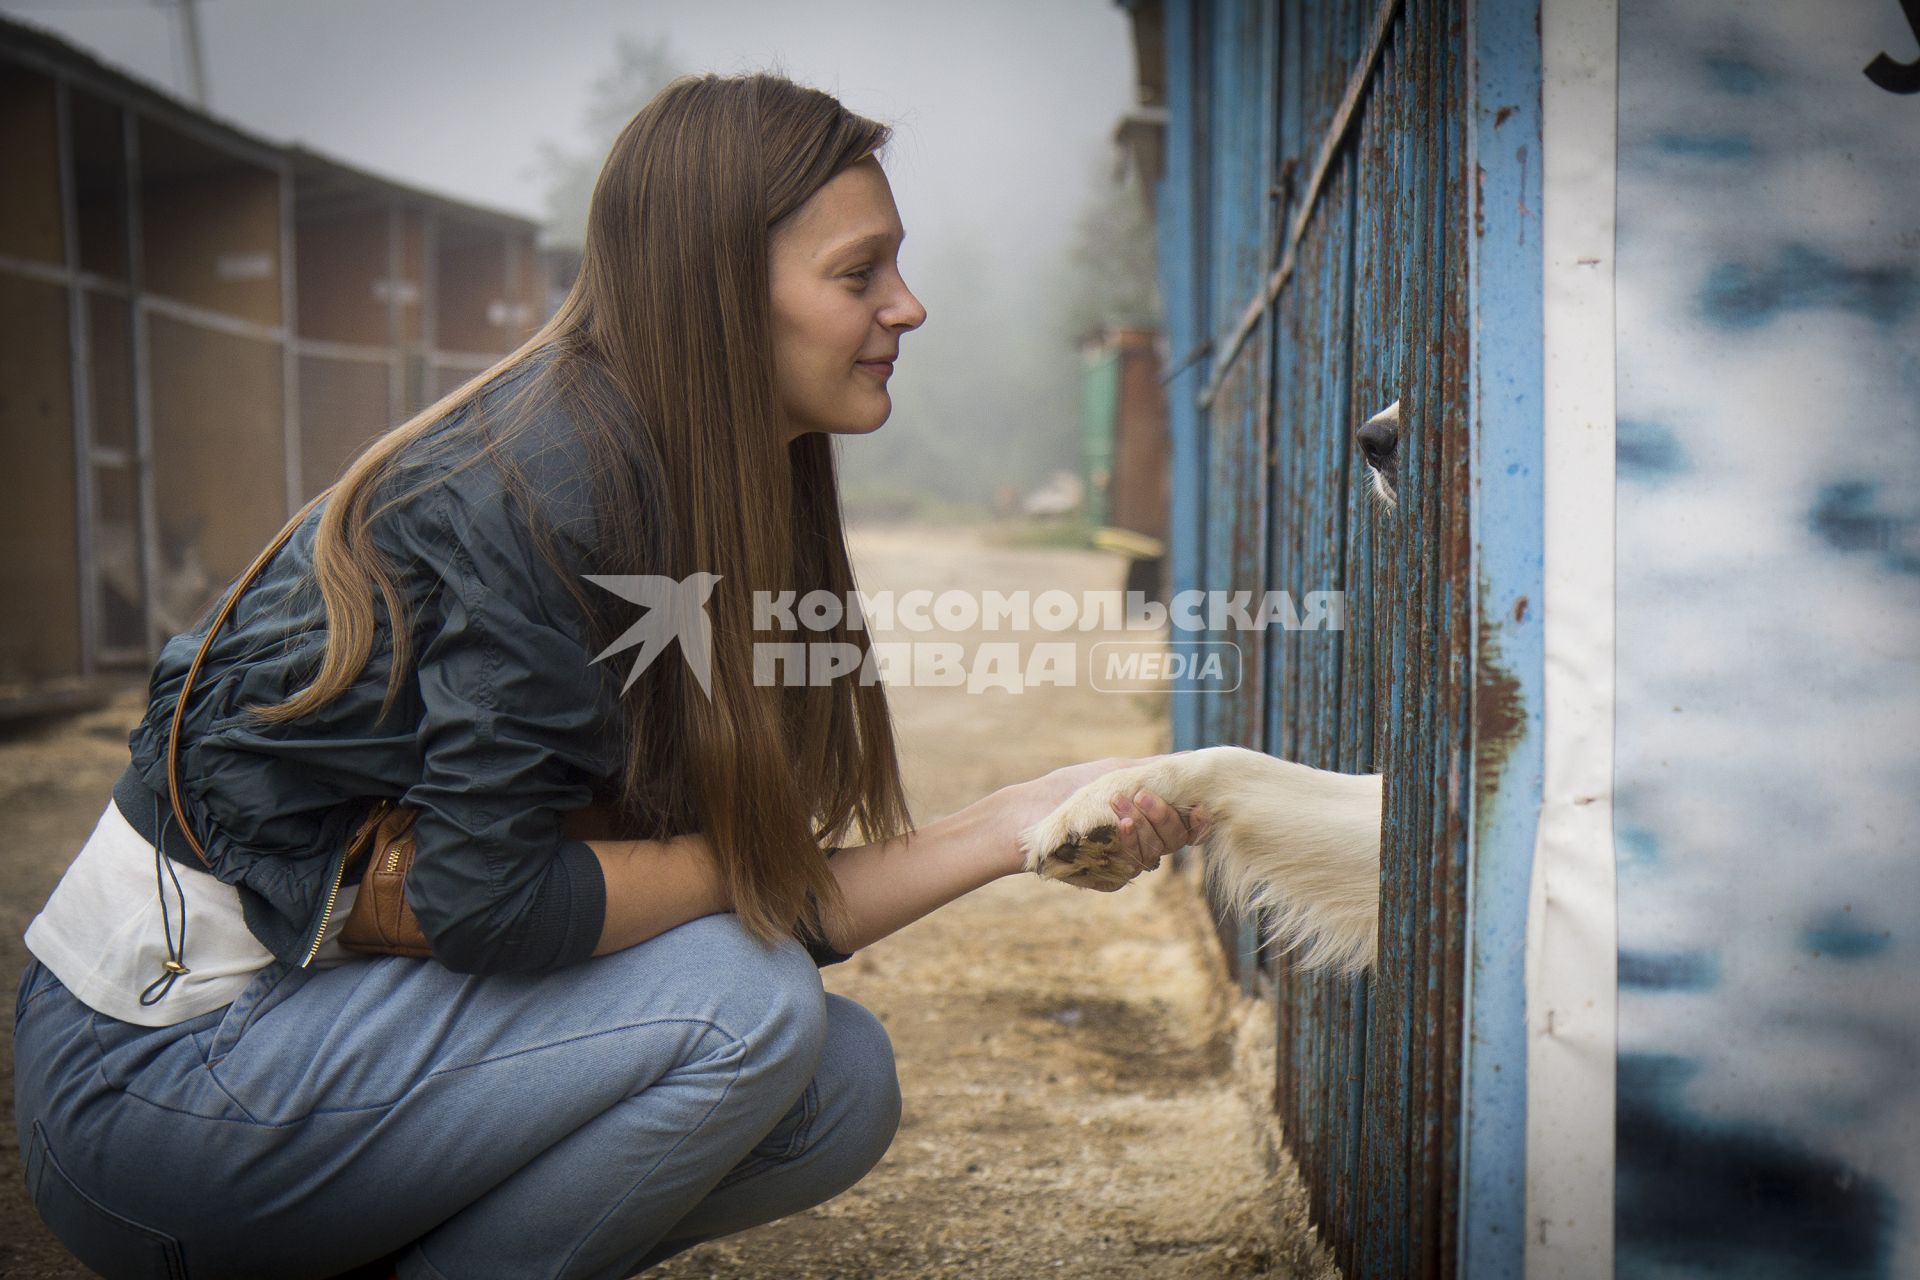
[(1302, 844)]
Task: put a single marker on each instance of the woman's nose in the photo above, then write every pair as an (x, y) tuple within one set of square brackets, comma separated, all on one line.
[(907, 311)]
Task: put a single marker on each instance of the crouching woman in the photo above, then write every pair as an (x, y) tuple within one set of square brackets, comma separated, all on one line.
[(528, 615)]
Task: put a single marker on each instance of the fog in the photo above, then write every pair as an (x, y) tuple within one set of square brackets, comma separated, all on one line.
[(1002, 110)]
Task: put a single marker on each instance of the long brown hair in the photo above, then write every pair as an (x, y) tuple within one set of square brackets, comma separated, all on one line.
[(663, 352)]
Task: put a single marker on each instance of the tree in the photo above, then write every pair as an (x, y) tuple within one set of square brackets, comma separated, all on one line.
[(988, 397), (1111, 277), (641, 68)]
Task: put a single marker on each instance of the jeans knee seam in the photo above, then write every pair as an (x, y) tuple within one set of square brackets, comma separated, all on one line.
[(796, 1146), (614, 1208), (809, 1116), (733, 1043)]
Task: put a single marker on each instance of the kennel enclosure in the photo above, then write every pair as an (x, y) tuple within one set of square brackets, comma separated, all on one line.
[(201, 327)]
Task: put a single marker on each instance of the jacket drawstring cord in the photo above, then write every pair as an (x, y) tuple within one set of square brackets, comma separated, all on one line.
[(175, 965)]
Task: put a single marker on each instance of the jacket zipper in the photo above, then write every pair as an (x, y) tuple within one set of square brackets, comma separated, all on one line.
[(339, 878), (326, 913)]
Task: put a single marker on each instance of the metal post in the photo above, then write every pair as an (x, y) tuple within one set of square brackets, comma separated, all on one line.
[(141, 375), (429, 305), (509, 259), (396, 357), (80, 370)]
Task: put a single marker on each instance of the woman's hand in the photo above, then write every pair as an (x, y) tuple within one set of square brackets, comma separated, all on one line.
[(1149, 827), (891, 883)]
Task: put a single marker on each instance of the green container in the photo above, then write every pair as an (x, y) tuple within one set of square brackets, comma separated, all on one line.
[(1099, 407)]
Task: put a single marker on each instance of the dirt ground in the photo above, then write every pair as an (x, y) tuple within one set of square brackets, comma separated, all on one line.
[(1084, 1090)]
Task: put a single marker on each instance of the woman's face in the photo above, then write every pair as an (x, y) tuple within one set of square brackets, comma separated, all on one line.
[(839, 305)]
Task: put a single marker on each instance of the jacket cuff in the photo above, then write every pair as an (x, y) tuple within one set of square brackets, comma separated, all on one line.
[(813, 940), (824, 955), (570, 910)]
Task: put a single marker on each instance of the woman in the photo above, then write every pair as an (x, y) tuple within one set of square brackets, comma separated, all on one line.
[(621, 1046)]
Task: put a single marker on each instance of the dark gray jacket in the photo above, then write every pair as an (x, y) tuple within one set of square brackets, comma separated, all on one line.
[(504, 725)]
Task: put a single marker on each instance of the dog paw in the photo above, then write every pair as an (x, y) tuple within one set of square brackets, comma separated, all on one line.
[(1089, 860), (1079, 842)]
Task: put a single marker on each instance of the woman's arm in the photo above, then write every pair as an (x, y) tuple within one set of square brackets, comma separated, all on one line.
[(655, 885), (890, 884)]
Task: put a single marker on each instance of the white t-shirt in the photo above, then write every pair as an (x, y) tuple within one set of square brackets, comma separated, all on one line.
[(102, 932)]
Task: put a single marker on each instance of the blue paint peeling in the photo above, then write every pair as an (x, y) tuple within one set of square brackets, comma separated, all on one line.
[(1636, 847), (1745, 295), (1839, 936), (1766, 615), (1647, 452), (1844, 518), (1729, 148), (1732, 74), (1704, 1197), (1847, 516), (1668, 971), (1505, 297)]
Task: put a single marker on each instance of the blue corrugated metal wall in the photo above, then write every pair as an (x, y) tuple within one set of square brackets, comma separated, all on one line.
[(1317, 228)]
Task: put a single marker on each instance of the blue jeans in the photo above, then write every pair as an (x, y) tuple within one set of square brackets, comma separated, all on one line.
[(586, 1122)]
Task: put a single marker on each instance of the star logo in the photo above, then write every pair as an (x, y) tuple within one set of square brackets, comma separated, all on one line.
[(676, 609)]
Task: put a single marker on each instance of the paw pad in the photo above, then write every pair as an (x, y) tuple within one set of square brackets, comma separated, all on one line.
[(1090, 860)]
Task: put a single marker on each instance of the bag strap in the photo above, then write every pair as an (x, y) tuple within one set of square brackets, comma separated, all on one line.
[(180, 703)]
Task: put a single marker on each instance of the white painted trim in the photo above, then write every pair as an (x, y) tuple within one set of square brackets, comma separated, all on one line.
[(1571, 920)]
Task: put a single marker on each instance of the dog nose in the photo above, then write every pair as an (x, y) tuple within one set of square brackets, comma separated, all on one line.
[(1380, 436)]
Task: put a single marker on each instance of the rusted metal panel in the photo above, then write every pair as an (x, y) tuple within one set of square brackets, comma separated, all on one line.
[(1454, 736), (1505, 384), (1370, 308), (1319, 1079), (1234, 422), (1181, 245), (1383, 341)]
